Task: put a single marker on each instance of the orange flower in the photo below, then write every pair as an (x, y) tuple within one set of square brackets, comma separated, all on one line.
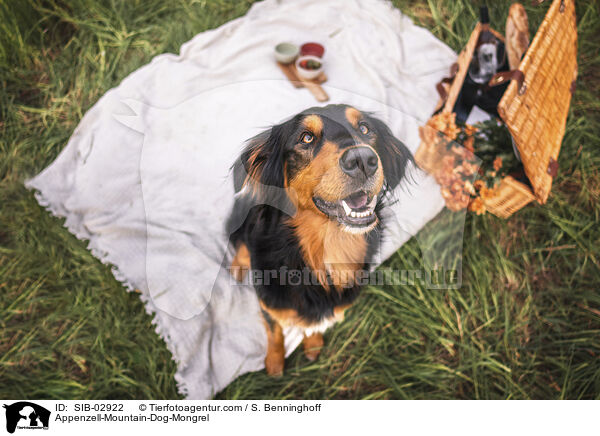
[(451, 132), (448, 162), (486, 193), (477, 206), (497, 163), (456, 165), (458, 201), (444, 179), (470, 130), (463, 152), (470, 188), (469, 168), (478, 184), (445, 123), (446, 193), (457, 186), (469, 144), (459, 151)]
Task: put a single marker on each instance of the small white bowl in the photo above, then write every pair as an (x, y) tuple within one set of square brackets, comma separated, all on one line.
[(305, 73), (286, 52)]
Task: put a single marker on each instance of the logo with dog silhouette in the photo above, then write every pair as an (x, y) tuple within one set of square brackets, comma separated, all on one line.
[(26, 415)]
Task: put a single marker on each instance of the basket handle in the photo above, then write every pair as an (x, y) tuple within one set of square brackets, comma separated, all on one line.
[(440, 85), (539, 2), (504, 76)]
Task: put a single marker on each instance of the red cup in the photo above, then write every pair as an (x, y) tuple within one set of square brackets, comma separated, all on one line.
[(312, 49)]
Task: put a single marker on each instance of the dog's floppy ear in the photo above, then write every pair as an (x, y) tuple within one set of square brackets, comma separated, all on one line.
[(393, 154), (259, 176), (261, 163)]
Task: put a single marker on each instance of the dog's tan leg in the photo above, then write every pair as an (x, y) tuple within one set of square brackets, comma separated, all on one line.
[(312, 346), (241, 263), (275, 359)]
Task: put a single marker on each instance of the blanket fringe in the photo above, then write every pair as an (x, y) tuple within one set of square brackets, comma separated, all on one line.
[(182, 387)]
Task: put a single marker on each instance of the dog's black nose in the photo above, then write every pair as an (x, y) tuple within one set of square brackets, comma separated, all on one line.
[(359, 161)]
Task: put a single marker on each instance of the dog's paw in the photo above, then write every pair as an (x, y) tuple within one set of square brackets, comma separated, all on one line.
[(274, 364), (312, 346), (312, 354)]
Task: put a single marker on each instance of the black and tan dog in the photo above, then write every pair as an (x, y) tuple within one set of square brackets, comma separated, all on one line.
[(310, 195)]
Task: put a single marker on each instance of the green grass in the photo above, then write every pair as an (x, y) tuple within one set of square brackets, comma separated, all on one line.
[(525, 324)]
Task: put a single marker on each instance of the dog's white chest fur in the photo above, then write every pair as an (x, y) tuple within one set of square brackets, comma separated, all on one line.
[(323, 325)]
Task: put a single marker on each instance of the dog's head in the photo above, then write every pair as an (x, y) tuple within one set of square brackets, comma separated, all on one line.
[(333, 160)]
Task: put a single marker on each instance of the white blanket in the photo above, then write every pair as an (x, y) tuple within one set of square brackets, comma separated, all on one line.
[(145, 176)]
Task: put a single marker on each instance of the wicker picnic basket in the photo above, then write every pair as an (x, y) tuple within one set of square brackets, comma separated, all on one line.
[(534, 106)]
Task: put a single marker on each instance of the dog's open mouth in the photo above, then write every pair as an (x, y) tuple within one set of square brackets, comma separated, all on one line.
[(356, 211)]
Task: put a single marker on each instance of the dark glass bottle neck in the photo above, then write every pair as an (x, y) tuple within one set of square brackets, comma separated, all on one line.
[(484, 16)]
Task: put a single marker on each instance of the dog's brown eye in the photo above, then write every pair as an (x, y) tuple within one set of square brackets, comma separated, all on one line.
[(363, 128), (307, 138)]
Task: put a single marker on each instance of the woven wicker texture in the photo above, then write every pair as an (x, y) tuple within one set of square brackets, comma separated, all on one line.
[(463, 61), (510, 196), (537, 117)]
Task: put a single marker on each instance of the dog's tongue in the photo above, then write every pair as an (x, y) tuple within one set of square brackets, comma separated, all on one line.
[(357, 201)]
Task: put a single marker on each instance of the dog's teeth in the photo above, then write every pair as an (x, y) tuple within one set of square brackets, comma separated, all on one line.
[(352, 213), (346, 208)]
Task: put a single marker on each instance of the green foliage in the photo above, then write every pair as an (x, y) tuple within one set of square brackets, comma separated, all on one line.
[(493, 143), (524, 324)]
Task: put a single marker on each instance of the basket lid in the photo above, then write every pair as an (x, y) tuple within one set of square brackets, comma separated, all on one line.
[(536, 111)]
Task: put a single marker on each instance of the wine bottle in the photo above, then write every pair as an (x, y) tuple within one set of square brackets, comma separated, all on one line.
[(485, 61), (488, 58)]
